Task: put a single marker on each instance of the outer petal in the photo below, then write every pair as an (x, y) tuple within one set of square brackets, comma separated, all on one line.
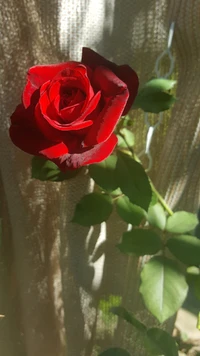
[(28, 138), (115, 94), (94, 60), (38, 75), (54, 151), (93, 155), (128, 76), (124, 72)]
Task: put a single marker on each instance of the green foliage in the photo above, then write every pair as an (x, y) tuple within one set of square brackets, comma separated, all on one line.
[(156, 341), (46, 170), (130, 213), (193, 279), (127, 121), (196, 287), (133, 180), (125, 315), (197, 231), (140, 242), (181, 222), (125, 138), (158, 84), (115, 351), (198, 321), (154, 102), (103, 173), (106, 304), (186, 248), (163, 287), (160, 343), (154, 199), (93, 208), (153, 97), (157, 216)]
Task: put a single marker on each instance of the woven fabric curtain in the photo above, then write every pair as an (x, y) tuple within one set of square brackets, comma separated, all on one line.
[(54, 275)]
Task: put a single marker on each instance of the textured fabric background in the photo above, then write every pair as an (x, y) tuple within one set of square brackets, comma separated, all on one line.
[(51, 274)]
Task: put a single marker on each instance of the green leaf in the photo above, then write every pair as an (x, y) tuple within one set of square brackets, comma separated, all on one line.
[(156, 216), (129, 212), (186, 248), (124, 314), (128, 121), (193, 279), (161, 343), (193, 270), (154, 199), (154, 102), (181, 222), (103, 173), (197, 231), (140, 242), (106, 304), (152, 97), (198, 321), (196, 286), (125, 138), (192, 275), (46, 170), (115, 351), (157, 85), (157, 341), (116, 192), (133, 180), (163, 287), (93, 208)]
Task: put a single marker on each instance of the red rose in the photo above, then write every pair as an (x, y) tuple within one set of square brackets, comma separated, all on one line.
[(69, 110)]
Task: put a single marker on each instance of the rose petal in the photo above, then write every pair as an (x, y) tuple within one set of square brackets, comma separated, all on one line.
[(54, 90), (78, 78), (124, 72), (94, 60), (57, 103), (25, 135), (116, 96), (128, 76), (93, 155), (88, 110), (38, 75), (77, 124), (78, 97), (52, 111), (54, 151), (70, 113), (54, 130), (48, 131), (73, 141)]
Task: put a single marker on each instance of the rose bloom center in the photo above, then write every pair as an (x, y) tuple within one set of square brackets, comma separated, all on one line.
[(70, 97)]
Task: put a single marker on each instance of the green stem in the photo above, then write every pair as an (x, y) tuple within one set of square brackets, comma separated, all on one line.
[(119, 196), (124, 138), (161, 200), (120, 125)]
